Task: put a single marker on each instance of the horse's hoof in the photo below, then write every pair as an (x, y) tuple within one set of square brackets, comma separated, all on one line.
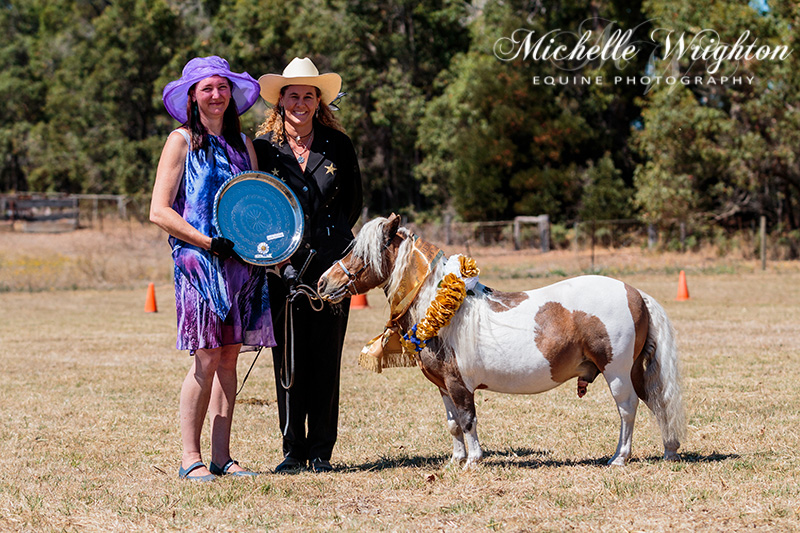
[(454, 462), (672, 456), (617, 461), (472, 462)]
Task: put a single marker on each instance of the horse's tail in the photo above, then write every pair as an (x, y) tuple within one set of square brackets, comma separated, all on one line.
[(662, 384)]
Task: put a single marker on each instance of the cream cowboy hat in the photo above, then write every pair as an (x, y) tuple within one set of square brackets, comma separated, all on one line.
[(300, 72)]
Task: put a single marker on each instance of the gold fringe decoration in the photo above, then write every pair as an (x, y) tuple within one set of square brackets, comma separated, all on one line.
[(385, 351), (371, 355)]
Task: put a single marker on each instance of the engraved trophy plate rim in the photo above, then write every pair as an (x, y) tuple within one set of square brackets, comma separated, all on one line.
[(261, 241)]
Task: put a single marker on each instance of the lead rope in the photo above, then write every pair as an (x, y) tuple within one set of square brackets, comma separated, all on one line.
[(288, 321), (287, 373)]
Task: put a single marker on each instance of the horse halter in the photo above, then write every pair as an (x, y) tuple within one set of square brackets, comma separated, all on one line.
[(350, 286)]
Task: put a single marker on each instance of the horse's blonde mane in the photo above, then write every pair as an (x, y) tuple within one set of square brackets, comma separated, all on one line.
[(369, 247), (369, 243), (400, 263)]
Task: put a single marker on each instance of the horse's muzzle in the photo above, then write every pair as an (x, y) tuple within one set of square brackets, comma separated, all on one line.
[(327, 292)]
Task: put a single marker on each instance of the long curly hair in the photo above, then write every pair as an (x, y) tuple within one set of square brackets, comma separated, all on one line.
[(274, 119)]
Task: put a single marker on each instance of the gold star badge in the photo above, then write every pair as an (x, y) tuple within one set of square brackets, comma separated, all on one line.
[(330, 169), (274, 171)]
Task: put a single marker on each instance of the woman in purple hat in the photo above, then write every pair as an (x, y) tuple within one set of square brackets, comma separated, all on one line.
[(222, 303)]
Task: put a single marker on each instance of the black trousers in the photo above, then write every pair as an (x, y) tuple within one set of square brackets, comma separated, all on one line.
[(313, 397)]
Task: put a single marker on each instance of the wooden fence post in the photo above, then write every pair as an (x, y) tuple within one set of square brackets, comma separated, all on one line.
[(542, 222), (652, 236), (122, 207), (763, 234), (683, 236), (448, 233), (544, 232)]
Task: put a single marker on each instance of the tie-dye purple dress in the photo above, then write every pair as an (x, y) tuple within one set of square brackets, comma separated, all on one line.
[(218, 302)]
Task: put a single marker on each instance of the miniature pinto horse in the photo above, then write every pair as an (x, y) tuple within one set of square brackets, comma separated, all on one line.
[(527, 342)]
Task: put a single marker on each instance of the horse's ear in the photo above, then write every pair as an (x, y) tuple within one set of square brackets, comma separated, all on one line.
[(391, 226)]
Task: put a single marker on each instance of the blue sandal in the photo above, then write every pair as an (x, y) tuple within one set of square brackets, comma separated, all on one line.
[(217, 471), (183, 473)]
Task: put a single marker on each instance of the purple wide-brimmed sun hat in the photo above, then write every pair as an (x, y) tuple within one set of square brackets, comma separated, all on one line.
[(244, 91)]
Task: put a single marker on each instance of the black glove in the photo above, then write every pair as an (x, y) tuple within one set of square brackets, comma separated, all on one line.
[(222, 247), (289, 276)]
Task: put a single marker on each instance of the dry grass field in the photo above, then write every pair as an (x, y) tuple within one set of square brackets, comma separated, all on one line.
[(89, 397)]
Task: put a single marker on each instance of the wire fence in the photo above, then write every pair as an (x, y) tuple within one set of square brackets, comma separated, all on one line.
[(536, 232), (53, 212), (50, 212), (58, 212)]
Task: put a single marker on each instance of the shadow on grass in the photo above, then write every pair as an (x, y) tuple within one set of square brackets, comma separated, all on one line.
[(415, 461), (520, 457), (523, 458), (690, 457), (530, 458)]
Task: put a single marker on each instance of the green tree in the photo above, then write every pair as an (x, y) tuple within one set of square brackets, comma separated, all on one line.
[(23, 87), (388, 54), (681, 141), (605, 196), (99, 130), (723, 153), (497, 145)]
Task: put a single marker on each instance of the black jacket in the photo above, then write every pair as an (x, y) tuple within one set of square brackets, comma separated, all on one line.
[(329, 191)]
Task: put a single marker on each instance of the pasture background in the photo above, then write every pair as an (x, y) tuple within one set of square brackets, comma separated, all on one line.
[(89, 432)]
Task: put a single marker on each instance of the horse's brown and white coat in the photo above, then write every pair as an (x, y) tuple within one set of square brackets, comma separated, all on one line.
[(529, 342)]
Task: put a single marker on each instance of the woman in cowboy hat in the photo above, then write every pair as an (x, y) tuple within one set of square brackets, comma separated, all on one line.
[(302, 143), (222, 303)]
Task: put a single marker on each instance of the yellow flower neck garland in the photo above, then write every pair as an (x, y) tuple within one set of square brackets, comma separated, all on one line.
[(449, 297)]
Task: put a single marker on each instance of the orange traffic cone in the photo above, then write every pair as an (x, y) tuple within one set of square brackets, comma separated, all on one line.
[(683, 290), (359, 301), (150, 304)]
